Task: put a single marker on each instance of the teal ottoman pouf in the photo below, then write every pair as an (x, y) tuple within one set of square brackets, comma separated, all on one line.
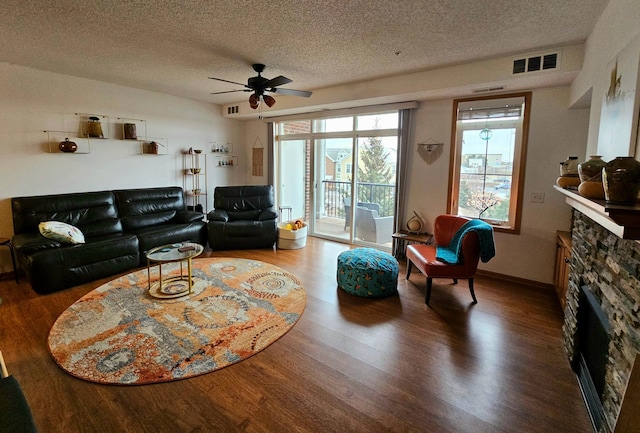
[(368, 272)]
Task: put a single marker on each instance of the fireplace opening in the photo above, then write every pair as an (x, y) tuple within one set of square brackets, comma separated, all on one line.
[(590, 361)]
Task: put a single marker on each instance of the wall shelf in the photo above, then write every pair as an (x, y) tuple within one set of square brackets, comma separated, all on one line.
[(88, 132), (81, 128), (221, 149), (139, 132), (622, 221), (430, 144), (161, 146), (223, 152), (227, 161), (55, 137)]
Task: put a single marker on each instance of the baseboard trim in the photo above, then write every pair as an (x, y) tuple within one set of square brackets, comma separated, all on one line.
[(530, 283)]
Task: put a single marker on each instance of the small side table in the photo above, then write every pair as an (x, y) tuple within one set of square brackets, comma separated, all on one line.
[(6, 242), (166, 288), (403, 238)]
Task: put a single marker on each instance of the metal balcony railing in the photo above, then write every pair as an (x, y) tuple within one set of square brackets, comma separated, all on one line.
[(336, 192)]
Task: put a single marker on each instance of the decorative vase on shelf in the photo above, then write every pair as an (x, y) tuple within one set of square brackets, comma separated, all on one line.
[(591, 189), (569, 173), (621, 180), (569, 167), (94, 127), (67, 146), (414, 224), (590, 173), (130, 131), (567, 182), (591, 169)]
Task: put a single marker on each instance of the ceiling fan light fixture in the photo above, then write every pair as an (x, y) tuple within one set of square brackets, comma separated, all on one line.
[(269, 100), (258, 85), (254, 101)]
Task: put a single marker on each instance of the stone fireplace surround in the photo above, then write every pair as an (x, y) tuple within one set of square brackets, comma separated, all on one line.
[(610, 267)]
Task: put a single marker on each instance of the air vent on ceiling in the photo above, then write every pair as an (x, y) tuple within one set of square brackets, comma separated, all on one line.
[(233, 109), (535, 63)]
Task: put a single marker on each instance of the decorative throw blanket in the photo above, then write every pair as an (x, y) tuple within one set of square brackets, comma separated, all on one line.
[(452, 253)]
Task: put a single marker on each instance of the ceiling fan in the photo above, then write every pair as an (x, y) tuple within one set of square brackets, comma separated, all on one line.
[(260, 85)]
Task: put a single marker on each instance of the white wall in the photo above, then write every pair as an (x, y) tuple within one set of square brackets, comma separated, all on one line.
[(427, 183), (616, 28), (555, 133), (255, 136), (33, 101)]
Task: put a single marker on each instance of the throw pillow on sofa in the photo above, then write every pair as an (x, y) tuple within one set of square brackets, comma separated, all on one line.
[(61, 232)]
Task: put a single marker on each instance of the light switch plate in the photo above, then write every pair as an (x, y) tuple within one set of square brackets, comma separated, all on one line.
[(537, 197)]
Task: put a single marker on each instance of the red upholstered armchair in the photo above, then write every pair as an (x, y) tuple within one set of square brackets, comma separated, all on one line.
[(423, 257)]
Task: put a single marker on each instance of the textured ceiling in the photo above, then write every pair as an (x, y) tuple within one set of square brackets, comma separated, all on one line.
[(172, 46)]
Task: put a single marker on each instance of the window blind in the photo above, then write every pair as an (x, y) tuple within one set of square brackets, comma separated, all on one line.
[(508, 111)]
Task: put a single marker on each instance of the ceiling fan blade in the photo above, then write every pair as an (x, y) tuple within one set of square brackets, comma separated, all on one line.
[(227, 81), (230, 91), (277, 81), (303, 93)]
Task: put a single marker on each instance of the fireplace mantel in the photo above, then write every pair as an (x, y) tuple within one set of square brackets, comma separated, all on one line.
[(622, 221)]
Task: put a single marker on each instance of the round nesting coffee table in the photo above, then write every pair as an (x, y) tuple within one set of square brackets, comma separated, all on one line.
[(178, 285)]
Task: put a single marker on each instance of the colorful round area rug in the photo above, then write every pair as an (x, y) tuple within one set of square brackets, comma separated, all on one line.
[(119, 334)]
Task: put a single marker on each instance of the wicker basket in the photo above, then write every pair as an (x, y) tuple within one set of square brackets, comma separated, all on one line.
[(291, 239)]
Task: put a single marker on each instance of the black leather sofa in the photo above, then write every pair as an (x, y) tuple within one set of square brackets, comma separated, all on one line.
[(243, 217), (118, 226)]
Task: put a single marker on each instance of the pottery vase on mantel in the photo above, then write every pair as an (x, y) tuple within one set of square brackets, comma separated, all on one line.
[(591, 169), (590, 173), (621, 180), (569, 173), (569, 167)]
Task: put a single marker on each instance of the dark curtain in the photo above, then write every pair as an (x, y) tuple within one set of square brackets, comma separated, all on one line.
[(270, 154), (404, 133)]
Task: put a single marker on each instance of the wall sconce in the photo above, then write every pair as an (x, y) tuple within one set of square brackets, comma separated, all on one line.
[(430, 144)]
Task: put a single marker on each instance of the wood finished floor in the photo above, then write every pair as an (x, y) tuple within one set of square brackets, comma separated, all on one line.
[(349, 365)]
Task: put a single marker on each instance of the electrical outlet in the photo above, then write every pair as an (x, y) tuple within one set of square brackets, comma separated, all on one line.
[(537, 197)]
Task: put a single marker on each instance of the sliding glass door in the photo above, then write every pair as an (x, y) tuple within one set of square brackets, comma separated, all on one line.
[(375, 189), (339, 174), (333, 168)]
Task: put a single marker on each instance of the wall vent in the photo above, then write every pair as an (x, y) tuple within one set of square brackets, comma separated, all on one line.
[(535, 63), (488, 89), (233, 109)]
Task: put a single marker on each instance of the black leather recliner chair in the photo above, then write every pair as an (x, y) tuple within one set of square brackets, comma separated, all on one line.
[(243, 217)]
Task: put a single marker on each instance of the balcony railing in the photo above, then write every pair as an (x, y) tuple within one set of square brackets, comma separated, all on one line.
[(336, 192)]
